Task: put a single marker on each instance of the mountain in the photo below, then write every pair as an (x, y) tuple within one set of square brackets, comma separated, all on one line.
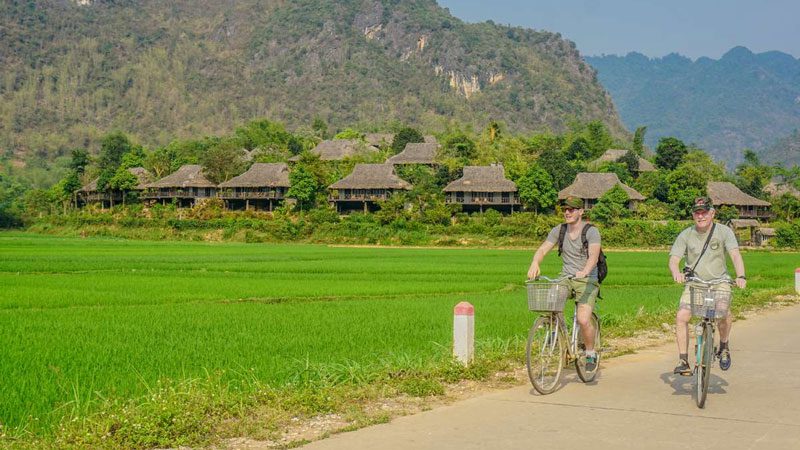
[(743, 100), (73, 70), (786, 151)]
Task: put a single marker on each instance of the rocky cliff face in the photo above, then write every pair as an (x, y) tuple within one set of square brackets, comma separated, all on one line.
[(75, 69)]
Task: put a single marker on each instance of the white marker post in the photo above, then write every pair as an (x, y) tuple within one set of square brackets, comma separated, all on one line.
[(464, 332), (797, 280)]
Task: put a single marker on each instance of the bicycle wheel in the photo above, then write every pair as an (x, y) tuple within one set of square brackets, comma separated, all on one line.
[(705, 355), (545, 354), (580, 363)]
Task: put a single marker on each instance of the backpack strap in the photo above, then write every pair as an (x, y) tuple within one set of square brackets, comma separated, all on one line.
[(584, 239), (561, 233)]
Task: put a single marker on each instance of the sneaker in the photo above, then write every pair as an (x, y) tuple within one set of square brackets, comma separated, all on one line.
[(682, 368), (724, 356), (591, 363)]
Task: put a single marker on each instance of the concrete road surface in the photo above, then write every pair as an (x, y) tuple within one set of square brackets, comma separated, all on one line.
[(635, 403)]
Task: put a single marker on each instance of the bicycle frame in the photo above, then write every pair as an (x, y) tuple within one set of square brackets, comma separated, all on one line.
[(705, 351)]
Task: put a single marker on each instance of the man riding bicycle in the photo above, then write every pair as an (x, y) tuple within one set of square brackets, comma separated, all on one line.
[(578, 263), (703, 245)]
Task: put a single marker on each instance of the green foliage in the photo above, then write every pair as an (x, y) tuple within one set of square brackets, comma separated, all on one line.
[(786, 207), (611, 207), (684, 184), (638, 141), (631, 161), (652, 209), (223, 161), (79, 159), (458, 145), (598, 137), (752, 176), (349, 133), (619, 168), (10, 208), (536, 189), (405, 136), (303, 188), (670, 153), (726, 213), (788, 235), (557, 166), (579, 150)]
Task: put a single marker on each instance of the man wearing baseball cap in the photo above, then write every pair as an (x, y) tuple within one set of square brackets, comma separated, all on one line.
[(706, 264), (579, 262)]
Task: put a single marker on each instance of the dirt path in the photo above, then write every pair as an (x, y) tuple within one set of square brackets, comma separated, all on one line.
[(636, 403)]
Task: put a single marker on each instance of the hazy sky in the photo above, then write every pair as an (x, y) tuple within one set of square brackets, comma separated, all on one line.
[(656, 28)]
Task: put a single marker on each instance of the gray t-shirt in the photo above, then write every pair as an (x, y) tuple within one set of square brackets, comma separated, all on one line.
[(572, 254), (712, 265)]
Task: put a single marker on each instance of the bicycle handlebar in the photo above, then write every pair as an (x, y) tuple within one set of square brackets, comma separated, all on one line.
[(551, 280), (715, 281)]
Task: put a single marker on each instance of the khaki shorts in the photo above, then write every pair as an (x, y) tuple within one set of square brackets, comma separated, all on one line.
[(585, 290), (686, 295)]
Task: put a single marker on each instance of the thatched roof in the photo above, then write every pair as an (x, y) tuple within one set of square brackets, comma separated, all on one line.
[(372, 176), (261, 175), (770, 232), (482, 179), (338, 149), (612, 155), (724, 193), (141, 174), (188, 176), (415, 153), (378, 139), (776, 189), (744, 223), (593, 185)]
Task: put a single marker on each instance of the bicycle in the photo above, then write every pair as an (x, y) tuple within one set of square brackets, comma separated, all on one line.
[(709, 304), (548, 350)]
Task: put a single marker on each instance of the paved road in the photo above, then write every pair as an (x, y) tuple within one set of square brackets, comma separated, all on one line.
[(635, 403)]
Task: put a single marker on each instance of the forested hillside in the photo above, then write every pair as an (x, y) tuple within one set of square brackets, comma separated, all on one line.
[(743, 100), (73, 71)]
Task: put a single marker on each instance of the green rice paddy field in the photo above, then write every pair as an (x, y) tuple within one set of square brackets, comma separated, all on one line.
[(86, 320)]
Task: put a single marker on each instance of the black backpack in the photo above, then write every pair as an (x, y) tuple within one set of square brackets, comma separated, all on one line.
[(602, 266)]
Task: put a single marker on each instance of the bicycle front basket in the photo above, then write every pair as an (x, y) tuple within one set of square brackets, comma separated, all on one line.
[(710, 303), (546, 297)]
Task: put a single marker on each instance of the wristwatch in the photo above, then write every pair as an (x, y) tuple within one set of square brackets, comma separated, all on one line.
[(742, 277)]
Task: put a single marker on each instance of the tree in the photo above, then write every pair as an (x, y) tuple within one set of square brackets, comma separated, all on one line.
[(612, 206), (579, 150), (320, 128), (631, 162), (618, 168), (638, 141), (562, 173), (726, 213), (349, 133), (670, 153), (113, 146), (134, 158), (459, 146), (752, 176), (405, 136), (223, 161), (598, 137), (303, 187), (265, 134), (79, 159), (123, 181), (685, 184), (536, 189)]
